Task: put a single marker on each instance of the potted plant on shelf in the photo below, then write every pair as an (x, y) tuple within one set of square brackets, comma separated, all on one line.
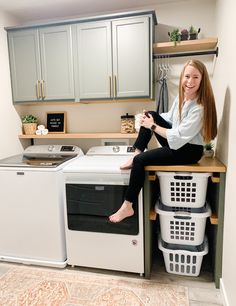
[(184, 34), (193, 33), (174, 36), (208, 149), (29, 123)]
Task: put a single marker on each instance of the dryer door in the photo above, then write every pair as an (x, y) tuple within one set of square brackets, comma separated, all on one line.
[(90, 205)]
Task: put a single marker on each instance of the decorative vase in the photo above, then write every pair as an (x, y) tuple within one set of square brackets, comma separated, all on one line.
[(29, 128), (193, 36), (184, 36), (209, 153)]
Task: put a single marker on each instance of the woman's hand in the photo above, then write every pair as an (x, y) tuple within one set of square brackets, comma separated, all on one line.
[(146, 121)]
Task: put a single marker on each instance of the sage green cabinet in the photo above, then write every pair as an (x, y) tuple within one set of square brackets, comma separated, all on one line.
[(41, 64), (114, 58)]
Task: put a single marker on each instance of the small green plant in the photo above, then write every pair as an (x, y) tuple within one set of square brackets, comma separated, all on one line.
[(29, 119), (193, 33), (174, 36), (192, 30), (209, 146)]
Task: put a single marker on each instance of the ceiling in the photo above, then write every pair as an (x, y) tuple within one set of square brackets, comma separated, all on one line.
[(30, 10)]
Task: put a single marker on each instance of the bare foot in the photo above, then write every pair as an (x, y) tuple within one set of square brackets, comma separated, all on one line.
[(125, 211), (129, 163)]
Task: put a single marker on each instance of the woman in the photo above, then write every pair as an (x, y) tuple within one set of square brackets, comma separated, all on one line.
[(182, 132)]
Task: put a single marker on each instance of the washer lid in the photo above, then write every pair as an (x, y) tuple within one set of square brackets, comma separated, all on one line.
[(40, 161)]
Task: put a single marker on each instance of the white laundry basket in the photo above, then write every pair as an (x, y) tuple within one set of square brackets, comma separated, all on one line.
[(183, 188), (181, 259), (183, 227)]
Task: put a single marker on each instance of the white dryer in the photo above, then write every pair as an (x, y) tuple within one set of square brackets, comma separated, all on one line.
[(95, 188)]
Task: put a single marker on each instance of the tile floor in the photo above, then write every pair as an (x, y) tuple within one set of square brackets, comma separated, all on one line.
[(202, 291)]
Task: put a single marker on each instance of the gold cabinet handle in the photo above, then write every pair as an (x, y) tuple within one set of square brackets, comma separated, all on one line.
[(110, 85), (38, 89), (42, 89), (115, 87)]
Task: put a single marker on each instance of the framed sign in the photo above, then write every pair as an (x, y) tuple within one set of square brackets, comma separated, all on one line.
[(56, 122)]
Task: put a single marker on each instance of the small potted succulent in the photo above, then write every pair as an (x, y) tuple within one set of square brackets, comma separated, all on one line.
[(193, 33), (29, 123), (174, 36), (184, 34), (208, 149)]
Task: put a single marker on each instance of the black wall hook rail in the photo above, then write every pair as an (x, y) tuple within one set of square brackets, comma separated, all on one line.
[(216, 52)]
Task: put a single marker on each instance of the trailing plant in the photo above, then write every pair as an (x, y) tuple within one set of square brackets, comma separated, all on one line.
[(174, 36)]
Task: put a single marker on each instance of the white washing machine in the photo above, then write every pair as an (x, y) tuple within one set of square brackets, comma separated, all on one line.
[(95, 188), (32, 229)]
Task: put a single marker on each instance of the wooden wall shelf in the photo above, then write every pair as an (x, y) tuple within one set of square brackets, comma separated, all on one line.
[(185, 46), (80, 136)]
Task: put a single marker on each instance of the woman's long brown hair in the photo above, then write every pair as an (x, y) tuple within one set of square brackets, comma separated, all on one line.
[(205, 97)]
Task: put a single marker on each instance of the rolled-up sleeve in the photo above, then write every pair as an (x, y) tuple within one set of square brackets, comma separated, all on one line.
[(169, 115), (187, 129)]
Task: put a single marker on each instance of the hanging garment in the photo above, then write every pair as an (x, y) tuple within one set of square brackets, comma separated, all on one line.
[(163, 100)]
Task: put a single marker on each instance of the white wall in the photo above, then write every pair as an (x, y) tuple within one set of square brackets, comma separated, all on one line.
[(225, 91), (213, 20), (106, 117), (10, 125)]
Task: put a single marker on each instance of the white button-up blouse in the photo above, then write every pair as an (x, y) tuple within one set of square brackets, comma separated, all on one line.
[(188, 130)]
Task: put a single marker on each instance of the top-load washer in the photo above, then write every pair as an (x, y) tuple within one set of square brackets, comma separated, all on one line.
[(95, 188), (32, 227)]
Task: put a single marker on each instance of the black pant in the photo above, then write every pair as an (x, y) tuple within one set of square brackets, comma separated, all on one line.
[(187, 154)]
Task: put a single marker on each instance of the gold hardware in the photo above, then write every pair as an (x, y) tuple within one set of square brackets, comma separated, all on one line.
[(38, 89), (110, 84), (42, 89), (115, 88)]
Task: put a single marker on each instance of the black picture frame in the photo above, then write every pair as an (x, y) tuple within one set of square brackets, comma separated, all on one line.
[(56, 122)]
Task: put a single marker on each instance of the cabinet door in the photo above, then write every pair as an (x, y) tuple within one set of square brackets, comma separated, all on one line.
[(57, 63), (131, 57), (24, 64), (94, 60)]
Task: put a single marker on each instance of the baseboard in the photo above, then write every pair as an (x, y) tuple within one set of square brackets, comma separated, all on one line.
[(223, 294)]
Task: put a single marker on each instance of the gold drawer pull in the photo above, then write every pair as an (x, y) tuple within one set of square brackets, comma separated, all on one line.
[(42, 89)]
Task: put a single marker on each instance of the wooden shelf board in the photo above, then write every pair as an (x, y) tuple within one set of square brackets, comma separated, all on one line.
[(80, 136), (206, 164), (185, 46), (214, 219)]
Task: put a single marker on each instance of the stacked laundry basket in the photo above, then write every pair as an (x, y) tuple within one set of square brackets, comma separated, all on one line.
[(183, 212)]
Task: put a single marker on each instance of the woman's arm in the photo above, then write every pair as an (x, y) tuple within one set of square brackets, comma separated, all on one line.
[(148, 122)]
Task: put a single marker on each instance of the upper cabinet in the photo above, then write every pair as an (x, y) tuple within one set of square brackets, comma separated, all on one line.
[(98, 58), (114, 58), (41, 64)]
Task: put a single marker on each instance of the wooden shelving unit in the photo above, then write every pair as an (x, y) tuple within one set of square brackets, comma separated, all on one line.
[(185, 46), (80, 136)]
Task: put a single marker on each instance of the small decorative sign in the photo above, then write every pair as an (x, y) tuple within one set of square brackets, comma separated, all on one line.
[(56, 122)]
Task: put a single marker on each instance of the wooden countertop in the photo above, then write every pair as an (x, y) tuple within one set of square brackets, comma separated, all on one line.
[(206, 164)]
